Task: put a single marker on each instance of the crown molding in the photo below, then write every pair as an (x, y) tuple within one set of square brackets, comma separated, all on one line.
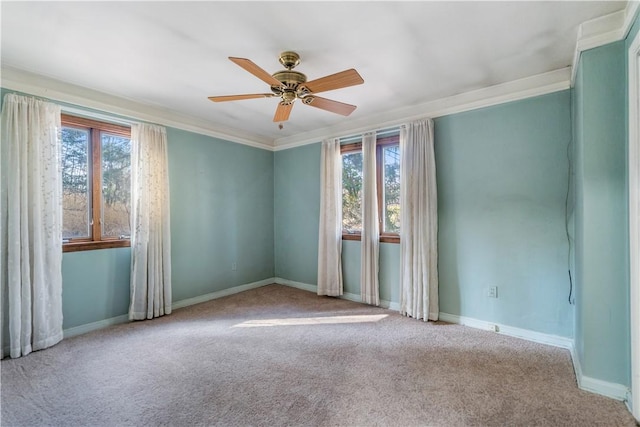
[(601, 31), (591, 34), (629, 16), (527, 87), (57, 90), (46, 87)]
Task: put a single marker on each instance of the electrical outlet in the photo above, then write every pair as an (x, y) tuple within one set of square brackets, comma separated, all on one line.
[(492, 292), (234, 266)]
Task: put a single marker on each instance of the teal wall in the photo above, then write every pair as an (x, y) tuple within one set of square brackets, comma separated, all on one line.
[(297, 213), (502, 182), (221, 213), (577, 103), (602, 294), (95, 285), (388, 273)]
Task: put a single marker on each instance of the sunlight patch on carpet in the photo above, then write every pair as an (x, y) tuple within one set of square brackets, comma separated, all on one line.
[(297, 321)]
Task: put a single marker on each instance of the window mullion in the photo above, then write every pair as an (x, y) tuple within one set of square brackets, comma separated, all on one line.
[(96, 183)]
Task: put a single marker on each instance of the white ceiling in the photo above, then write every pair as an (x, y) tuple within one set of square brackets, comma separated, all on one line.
[(173, 55)]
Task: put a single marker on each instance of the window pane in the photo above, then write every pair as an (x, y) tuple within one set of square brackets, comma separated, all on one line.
[(76, 201), (116, 185), (391, 203), (352, 192)]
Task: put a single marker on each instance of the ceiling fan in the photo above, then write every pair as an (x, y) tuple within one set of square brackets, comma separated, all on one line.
[(289, 85)]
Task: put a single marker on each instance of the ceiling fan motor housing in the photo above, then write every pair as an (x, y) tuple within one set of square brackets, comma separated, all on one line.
[(291, 81)]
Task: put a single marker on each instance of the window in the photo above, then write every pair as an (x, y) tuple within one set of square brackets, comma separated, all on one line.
[(388, 177), (352, 189), (96, 184)]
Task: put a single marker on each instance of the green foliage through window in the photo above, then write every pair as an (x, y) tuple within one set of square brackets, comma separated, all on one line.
[(116, 185), (76, 195), (352, 192), (96, 181), (391, 202), (388, 178)]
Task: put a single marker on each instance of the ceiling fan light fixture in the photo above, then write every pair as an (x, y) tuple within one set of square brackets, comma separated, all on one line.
[(288, 96), (288, 85)]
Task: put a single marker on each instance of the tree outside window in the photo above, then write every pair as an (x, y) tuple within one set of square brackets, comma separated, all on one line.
[(388, 182), (96, 184)]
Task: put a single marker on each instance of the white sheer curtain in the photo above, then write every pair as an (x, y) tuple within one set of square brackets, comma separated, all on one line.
[(418, 222), (330, 230), (150, 233), (369, 286), (30, 224)]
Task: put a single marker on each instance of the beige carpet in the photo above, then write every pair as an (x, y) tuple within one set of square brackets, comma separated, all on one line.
[(279, 356)]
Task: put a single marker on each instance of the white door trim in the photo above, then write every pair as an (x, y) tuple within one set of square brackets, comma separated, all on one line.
[(634, 219)]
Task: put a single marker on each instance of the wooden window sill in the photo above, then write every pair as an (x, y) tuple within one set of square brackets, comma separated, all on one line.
[(89, 246), (390, 239), (383, 238), (351, 236)]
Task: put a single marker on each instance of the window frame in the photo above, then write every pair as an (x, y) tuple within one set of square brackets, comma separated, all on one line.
[(95, 129), (381, 142)]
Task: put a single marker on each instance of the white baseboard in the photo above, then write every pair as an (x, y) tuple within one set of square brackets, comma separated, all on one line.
[(395, 306), (297, 285), (223, 293), (604, 388), (593, 385), (628, 402), (526, 334), (383, 303), (94, 326), (466, 321), (348, 296)]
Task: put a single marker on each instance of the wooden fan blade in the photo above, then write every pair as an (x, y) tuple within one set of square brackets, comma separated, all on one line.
[(251, 67), (329, 105), (282, 112), (239, 97), (334, 81)]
